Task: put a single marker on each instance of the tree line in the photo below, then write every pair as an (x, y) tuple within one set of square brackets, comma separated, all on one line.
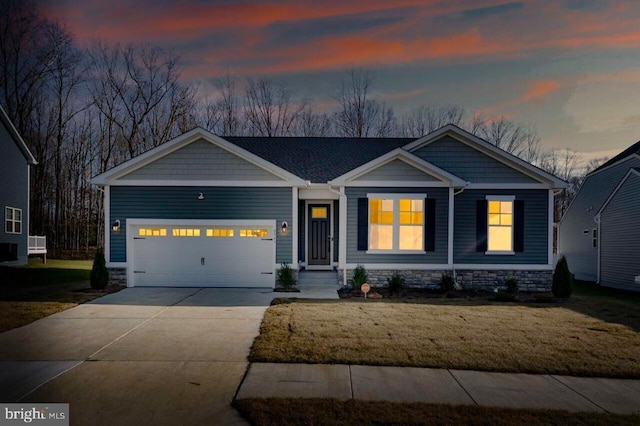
[(83, 111)]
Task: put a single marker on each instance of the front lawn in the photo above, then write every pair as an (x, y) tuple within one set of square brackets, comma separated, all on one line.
[(28, 293), (583, 336)]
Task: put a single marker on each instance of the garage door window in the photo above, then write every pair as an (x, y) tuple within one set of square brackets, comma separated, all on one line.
[(152, 232), (253, 232), (186, 232), (217, 232)]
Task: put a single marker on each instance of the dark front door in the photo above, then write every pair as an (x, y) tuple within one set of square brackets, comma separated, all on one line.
[(319, 235)]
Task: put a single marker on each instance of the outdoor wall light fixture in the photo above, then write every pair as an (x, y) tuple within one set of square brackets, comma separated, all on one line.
[(284, 227), (116, 226), (201, 196)]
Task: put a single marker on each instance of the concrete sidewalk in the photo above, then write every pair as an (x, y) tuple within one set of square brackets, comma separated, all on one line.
[(440, 386)]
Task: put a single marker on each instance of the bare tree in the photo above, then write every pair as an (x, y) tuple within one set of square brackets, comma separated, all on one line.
[(520, 140), (222, 114), (269, 108), (311, 123), (425, 119), (563, 163)]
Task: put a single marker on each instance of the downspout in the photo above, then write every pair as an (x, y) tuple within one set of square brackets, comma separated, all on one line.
[(343, 236), (596, 219)]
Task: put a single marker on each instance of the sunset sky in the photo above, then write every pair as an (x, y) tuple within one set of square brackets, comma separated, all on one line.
[(571, 67)]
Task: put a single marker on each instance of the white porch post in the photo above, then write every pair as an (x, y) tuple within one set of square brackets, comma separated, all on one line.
[(294, 227), (450, 228), (107, 224), (551, 220), (342, 257)]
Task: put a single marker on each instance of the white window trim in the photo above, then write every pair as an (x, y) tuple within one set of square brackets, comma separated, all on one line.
[(511, 198), (13, 221), (396, 225)]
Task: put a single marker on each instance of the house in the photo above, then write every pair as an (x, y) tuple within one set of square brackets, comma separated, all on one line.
[(202, 210), (599, 232), (15, 161)]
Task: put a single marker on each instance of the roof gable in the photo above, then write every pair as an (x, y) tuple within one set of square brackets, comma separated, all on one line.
[(500, 165), (376, 172), (633, 149), (13, 132), (208, 151), (632, 173)]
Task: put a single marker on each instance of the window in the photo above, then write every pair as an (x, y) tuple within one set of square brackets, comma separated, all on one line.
[(152, 232), (220, 233), (500, 225), (318, 212), (253, 233), (594, 236), (396, 222), (186, 232), (13, 220)]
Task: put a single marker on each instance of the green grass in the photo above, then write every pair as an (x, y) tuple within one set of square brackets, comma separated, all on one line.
[(266, 412), (34, 291)]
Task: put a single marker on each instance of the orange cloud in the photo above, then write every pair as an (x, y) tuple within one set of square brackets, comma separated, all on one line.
[(540, 89)]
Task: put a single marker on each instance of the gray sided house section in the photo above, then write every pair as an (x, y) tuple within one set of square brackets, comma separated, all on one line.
[(620, 237), (231, 203), (469, 163), (14, 191), (536, 231), (577, 225), (397, 170), (439, 256)]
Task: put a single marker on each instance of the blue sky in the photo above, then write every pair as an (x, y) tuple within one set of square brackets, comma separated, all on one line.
[(570, 67)]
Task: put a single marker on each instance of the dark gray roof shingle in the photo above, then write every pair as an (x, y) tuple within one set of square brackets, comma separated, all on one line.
[(318, 160), (633, 149)]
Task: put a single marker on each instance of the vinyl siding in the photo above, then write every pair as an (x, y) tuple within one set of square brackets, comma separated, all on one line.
[(620, 237), (572, 243), (14, 190), (536, 229), (182, 203), (439, 256), (201, 160), (469, 163), (396, 170)]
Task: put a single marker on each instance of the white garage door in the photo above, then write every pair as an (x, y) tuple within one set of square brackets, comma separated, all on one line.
[(197, 254)]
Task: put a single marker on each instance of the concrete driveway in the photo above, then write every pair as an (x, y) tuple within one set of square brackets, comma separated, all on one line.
[(140, 356)]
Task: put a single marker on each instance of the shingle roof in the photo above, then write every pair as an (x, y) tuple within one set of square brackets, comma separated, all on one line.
[(633, 149), (318, 160)]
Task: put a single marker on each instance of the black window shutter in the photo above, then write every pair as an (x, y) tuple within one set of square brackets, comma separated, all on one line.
[(518, 226), (481, 225), (363, 223), (430, 224)]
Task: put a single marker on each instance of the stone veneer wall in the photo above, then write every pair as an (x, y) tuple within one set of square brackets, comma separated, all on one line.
[(533, 281), (117, 276)]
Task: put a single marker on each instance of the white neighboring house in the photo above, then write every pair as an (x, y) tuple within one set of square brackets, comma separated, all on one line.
[(15, 163), (600, 233)]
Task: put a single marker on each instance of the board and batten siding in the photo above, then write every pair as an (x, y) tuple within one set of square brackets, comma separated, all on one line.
[(620, 237), (573, 243), (439, 256), (201, 160), (396, 170), (536, 229), (14, 190), (219, 203), (469, 163)]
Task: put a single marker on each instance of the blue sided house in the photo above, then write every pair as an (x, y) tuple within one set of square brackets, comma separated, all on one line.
[(203, 210)]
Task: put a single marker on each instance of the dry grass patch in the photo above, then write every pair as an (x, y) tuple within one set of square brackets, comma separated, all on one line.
[(17, 314), (579, 337), (263, 412)]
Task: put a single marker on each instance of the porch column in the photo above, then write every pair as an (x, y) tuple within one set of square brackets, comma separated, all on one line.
[(294, 228), (551, 220), (342, 244), (450, 228)]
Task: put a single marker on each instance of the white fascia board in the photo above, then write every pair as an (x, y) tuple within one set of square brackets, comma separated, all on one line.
[(488, 149), (200, 183), (622, 160), (13, 132), (630, 172), (398, 183), (508, 186), (167, 148), (399, 154)]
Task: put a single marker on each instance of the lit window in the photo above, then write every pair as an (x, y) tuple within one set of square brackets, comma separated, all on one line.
[(186, 232), (500, 226), (253, 233), (396, 224), (319, 212), (152, 232), (219, 233), (12, 220)]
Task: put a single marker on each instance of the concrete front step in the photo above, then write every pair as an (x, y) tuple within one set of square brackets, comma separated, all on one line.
[(317, 278)]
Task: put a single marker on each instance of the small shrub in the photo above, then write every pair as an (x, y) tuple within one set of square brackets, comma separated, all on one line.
[(544, 298), (561, 285), (447, 283), (99, 276), (359, 277), (504, 296), (512, 285), (285, 276), (396, 283)]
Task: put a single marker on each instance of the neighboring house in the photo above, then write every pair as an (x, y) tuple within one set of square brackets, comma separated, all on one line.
[(599, 233), (202, 210), (15, 160)]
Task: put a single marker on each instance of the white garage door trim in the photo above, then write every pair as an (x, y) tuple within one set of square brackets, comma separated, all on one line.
[(264, 259)]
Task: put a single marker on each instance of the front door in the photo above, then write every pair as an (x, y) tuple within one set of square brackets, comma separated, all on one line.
[(319, 235)]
